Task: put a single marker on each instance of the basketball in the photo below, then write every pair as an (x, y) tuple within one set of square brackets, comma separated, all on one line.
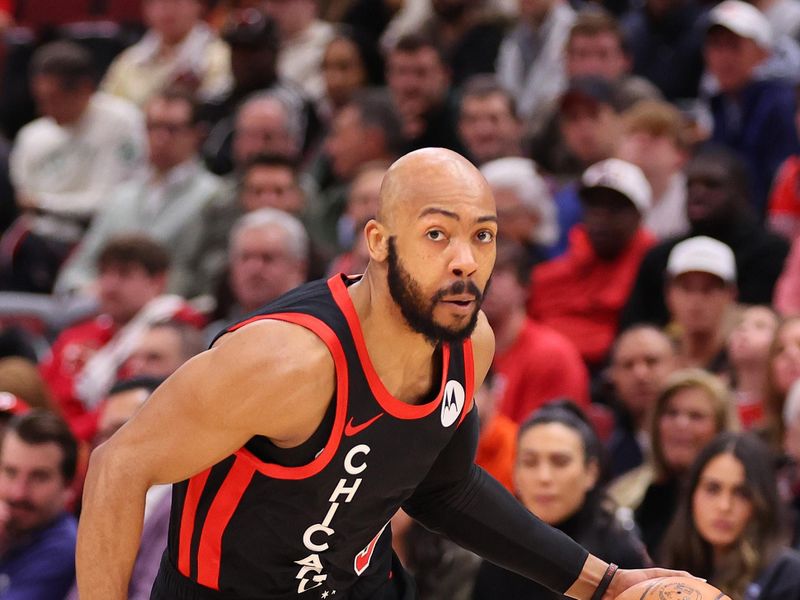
[(672, 588)]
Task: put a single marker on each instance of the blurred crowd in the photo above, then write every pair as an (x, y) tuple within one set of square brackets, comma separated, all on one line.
[(169, 166)]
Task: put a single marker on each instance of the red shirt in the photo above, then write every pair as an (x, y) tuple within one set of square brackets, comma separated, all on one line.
[(581, 295), (539, 366), (784, 201), (70, 353), (496, 449)]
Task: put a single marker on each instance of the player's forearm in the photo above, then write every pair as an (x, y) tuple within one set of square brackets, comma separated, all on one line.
[(483, 517), (586, 584), (110, 528)]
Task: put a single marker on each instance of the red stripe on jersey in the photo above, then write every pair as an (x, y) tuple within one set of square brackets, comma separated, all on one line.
[(396, 408), (219, 514), (469, 376), (327, 335), (193, 492)]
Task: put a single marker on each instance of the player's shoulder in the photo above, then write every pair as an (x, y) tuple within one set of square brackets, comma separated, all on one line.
[(275, 349)]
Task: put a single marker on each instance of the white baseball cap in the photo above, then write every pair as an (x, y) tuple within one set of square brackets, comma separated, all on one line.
[(744, 20), (703, 254), (623, 177)]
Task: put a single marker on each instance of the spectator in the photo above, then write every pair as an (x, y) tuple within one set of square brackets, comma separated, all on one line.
[(728, 528), (268, 257), (303, 41), (163, 348), (366, 130), (253, 39), (716, 206), (271, 181), (642, 359), (419, 82), (470, 35), (178, 48), (666, 41), (581, 293), (526, 213), (351, 62), (790, 445), (533, 363), (530, 63), (267, 123), (596, 47), (65, 163), (589, 123), (488, 124), (748, 351), (654, 138), (700, 293), (752, 116), (784, 371), (123, 401), (85, 358), (558, 474), (38, 462), (167, 202), (691, 409)]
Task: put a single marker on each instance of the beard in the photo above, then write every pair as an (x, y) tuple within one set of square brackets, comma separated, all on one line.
[(418, 312)]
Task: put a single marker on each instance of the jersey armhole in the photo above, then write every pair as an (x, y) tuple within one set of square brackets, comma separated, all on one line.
[(331, 341)]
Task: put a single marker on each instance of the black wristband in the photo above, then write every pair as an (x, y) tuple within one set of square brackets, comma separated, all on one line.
[(605, 582)]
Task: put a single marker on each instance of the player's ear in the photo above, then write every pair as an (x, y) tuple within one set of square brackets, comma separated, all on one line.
[(377, 240)]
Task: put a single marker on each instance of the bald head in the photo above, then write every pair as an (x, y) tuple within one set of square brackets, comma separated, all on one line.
[(430, 176)]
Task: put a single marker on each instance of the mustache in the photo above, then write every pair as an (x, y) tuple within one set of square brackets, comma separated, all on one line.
[(460, 287)]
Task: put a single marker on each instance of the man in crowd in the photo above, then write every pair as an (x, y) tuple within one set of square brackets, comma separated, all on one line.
[(85, 358), (419, 82), (178, 48), (533, 363), (582, 293), (268, 256), (487, 120), (654, 138), (753, 115), (65, 163), (163, 348), (366, 130), (716, 206), (700, 292), (167, 202), (271, 181), (38, 461), (641, 360)]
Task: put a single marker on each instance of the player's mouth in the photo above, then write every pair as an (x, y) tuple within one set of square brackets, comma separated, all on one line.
[(460, 303)]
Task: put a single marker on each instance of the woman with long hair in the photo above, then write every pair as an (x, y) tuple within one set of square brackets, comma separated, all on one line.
[(729, 527), (692, 408), (557, 476), (784, 370)]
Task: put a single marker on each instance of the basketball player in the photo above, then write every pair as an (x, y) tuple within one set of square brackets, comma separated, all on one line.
[(301, 432)]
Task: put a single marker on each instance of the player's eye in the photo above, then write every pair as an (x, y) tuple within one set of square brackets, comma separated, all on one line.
[(485, 236), (435, 235)]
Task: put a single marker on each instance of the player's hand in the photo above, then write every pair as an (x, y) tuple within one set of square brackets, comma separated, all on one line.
[(625, 578)]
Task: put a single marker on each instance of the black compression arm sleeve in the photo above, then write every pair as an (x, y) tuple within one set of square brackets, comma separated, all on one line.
[(464, 503)]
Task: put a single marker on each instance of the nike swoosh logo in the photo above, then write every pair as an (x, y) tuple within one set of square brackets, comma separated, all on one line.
[(351, 430)]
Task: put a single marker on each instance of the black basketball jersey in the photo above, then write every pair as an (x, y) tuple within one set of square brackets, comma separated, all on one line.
[(256, 526)]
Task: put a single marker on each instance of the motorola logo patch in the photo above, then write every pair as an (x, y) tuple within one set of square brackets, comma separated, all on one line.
[(452, 402)]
